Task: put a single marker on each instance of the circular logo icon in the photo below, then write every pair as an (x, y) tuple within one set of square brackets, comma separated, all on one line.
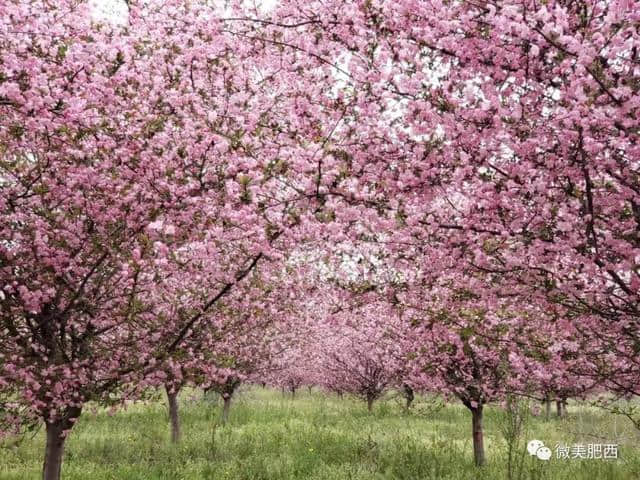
[(533, 446), (543, 453)]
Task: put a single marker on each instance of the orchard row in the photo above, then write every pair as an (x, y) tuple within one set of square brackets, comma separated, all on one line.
[(439, 196)]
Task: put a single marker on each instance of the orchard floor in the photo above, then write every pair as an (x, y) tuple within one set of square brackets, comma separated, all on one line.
[(318, 436)]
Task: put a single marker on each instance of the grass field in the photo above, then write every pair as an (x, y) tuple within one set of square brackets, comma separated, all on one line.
[(318, 436)]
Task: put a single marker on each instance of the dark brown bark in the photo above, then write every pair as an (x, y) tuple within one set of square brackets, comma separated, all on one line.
[(559, 409), (54, 448), (226, 406), (370, 400), (53, 452), (174, 414), (408, 395), (477, 433)]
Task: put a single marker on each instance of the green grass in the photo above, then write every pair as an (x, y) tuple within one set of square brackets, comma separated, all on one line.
[(317, 436)]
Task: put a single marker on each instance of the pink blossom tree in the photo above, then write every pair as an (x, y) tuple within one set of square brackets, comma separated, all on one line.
[(102, 188), (360, 361), (517, 153)]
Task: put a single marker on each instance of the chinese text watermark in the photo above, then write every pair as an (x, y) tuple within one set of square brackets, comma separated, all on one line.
[(589, 451)]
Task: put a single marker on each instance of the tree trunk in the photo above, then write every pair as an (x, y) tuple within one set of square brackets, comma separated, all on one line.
[(409, 396), (409, 402), (478, 441), (559, 412), (174, 415), (564, 407), (226, 406), (53, 452), (547, 403), (54, 448), (370, 402)]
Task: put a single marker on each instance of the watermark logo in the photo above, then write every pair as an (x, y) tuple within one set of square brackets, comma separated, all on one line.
[(607, 451), (590, 451), (537, 448)]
